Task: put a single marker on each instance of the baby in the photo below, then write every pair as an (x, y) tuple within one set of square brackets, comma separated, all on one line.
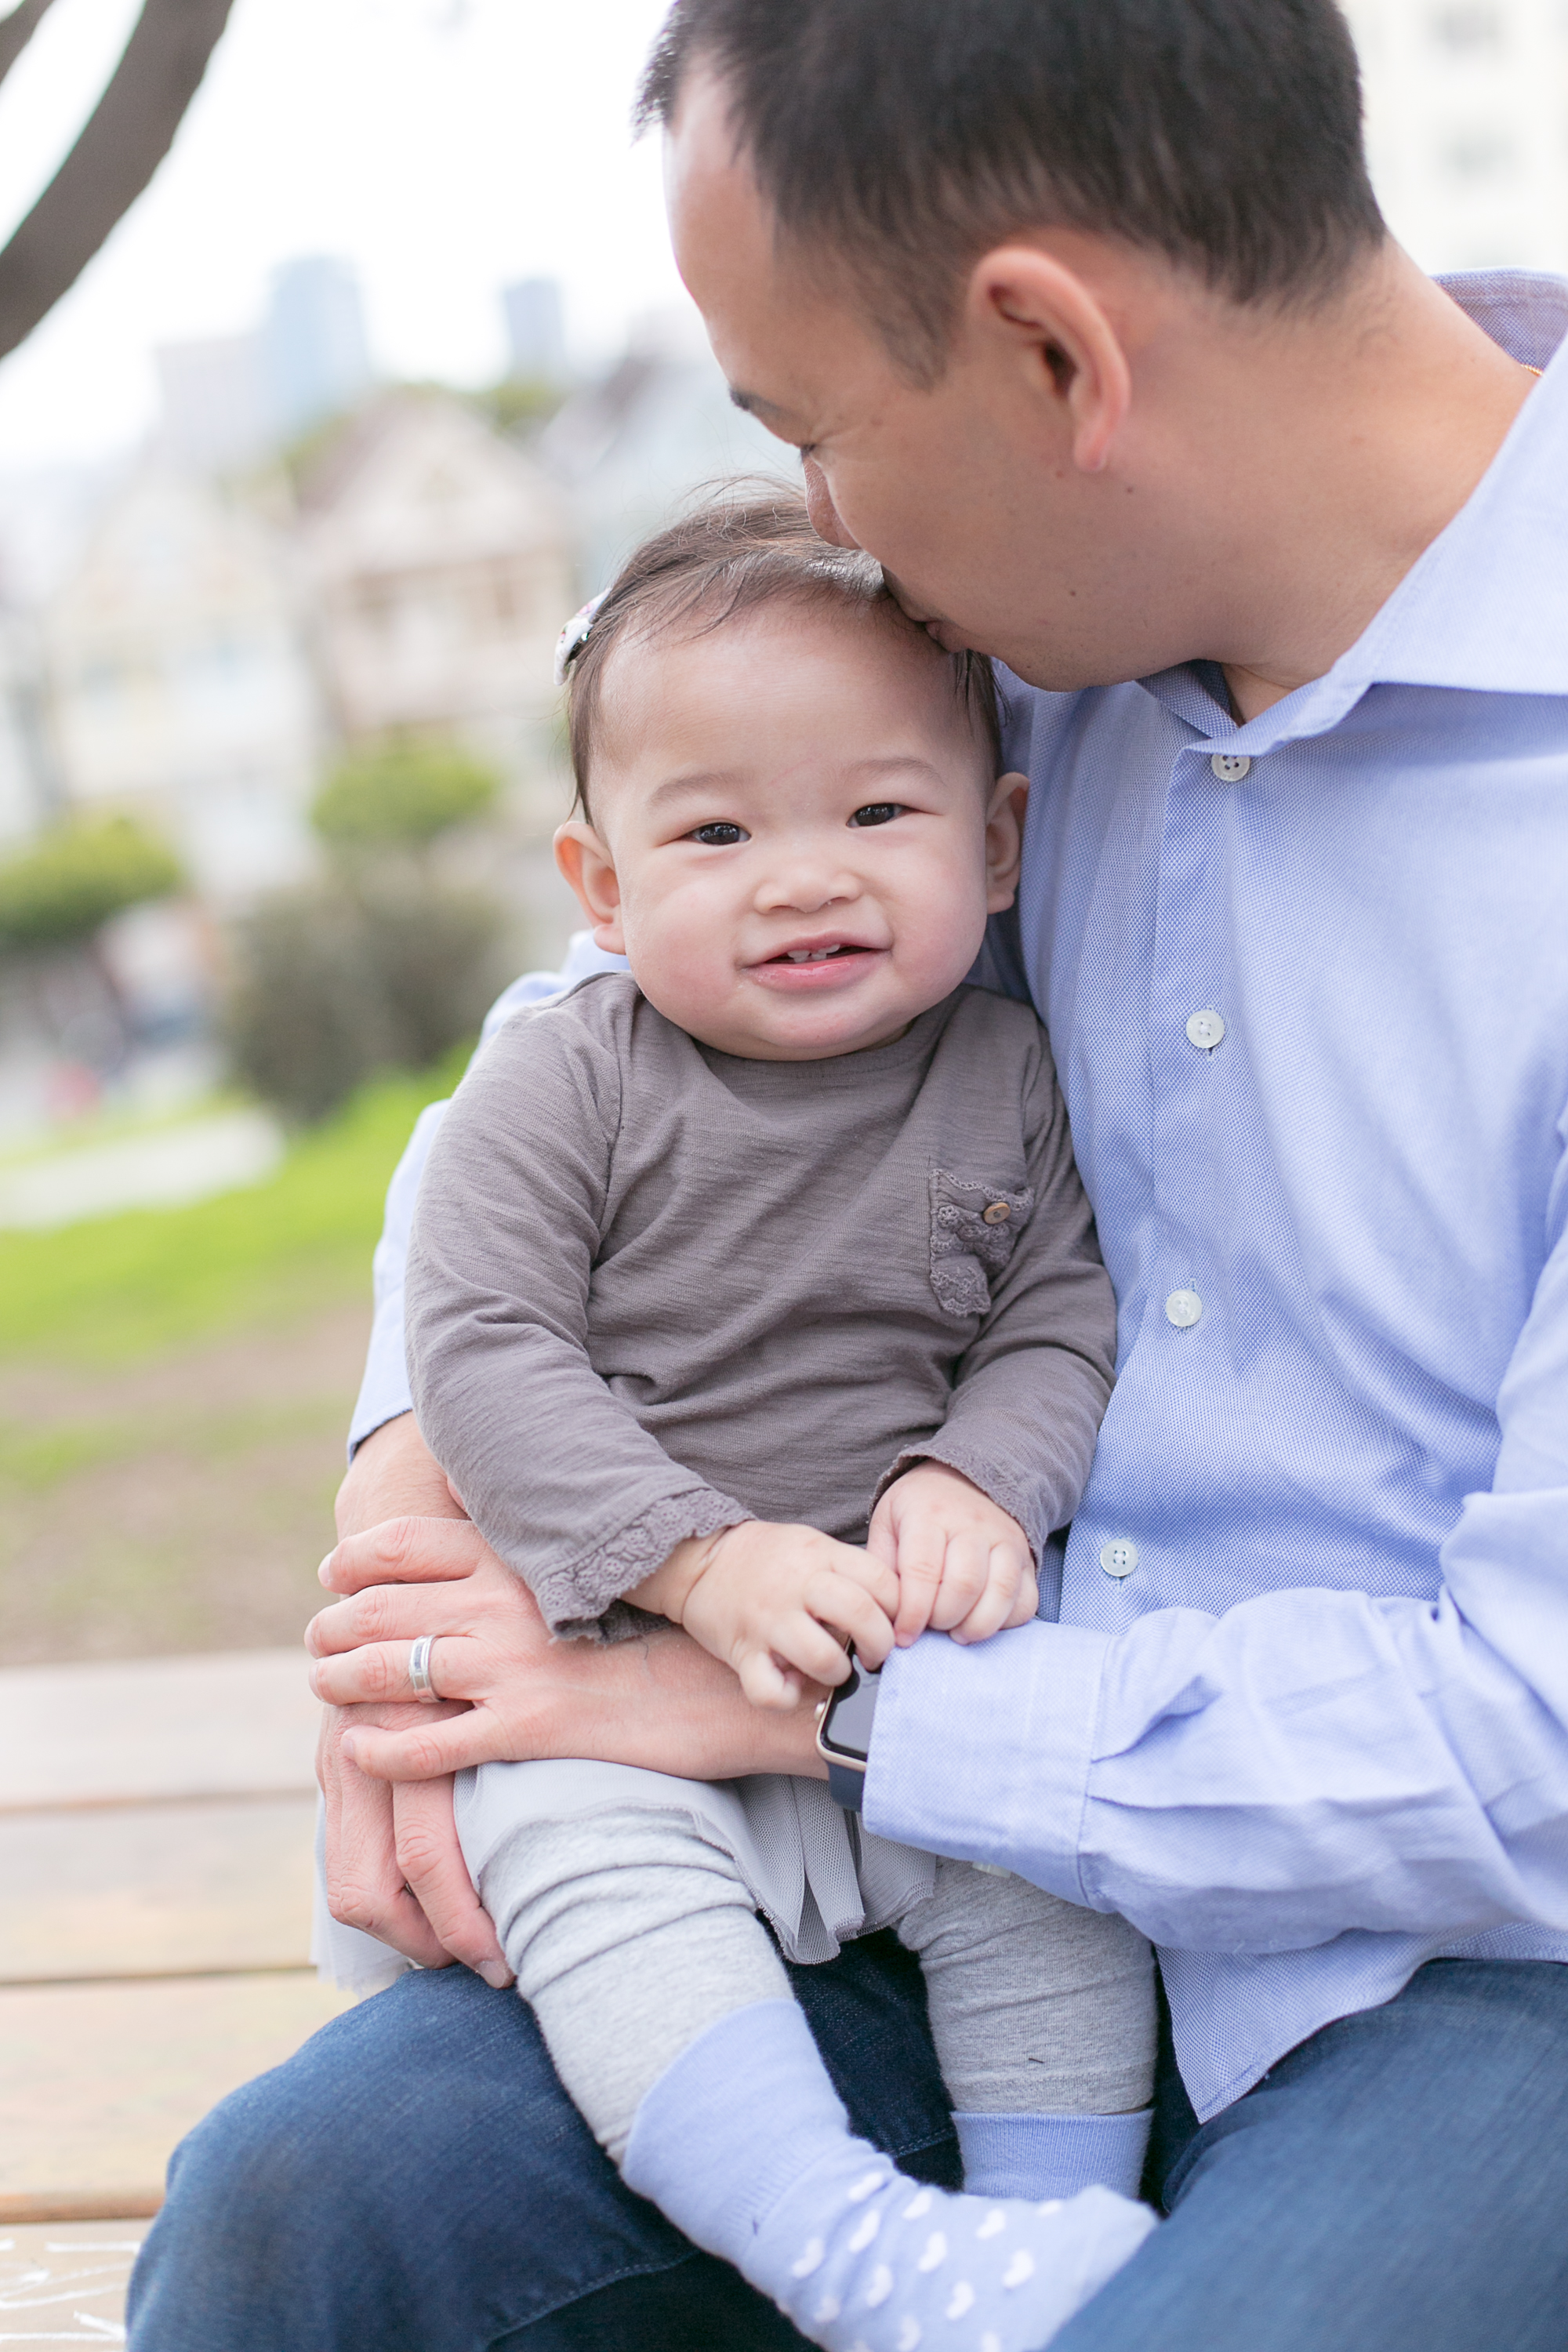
[(754, 1289)]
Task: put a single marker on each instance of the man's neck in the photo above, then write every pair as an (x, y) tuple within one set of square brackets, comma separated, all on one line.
[(1392, 413)]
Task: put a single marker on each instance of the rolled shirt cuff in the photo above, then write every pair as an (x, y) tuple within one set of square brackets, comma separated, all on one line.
[(984, 1753)]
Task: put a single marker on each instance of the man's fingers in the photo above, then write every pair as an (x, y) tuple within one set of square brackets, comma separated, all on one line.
[(365, 1884), (431, 1861), (380, 1671), (431, 1747), (403, 1552), (390, 1612)]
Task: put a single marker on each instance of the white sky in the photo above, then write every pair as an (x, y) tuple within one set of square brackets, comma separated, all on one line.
[(444, 146)]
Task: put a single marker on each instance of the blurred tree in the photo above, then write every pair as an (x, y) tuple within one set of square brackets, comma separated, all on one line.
[(519, 405), (124, 139), (334, 982), (61, 887), (401, 795)]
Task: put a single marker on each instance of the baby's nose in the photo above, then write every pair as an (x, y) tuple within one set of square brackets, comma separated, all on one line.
[(805, 886)]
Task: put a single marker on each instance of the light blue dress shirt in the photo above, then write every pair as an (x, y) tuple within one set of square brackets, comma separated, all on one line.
[(1304, 1717)]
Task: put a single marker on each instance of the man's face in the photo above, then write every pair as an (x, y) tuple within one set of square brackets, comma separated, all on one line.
[(967, 492)]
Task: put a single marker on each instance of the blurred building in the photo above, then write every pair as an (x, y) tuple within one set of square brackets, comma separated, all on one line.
[(535, 331), (1466, 115), (177, 686), (441, 560), (315, 359), (213, 413), (226, 402), (630, 449)]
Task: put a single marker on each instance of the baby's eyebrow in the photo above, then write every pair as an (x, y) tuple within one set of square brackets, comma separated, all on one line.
[(691, 787)]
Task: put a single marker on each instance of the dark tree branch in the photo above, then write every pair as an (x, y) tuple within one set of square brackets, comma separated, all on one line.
[(123, 141), (17, 32)]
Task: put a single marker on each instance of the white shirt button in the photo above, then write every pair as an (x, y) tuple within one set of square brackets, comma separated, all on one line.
[(1205, 1029), (1230, 766), (1120, 1556), (1183, 1308)]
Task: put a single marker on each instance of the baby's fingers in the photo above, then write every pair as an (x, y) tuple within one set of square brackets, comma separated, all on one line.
[(1026, 1601), (835, 1601), (922, 1548), (965, 1576), (1007, 1575), (767, 1683)]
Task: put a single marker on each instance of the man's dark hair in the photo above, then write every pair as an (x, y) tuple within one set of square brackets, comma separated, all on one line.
[(742, 545), (909, 136)]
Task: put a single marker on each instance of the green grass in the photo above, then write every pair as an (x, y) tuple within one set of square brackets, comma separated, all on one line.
[(114, 1289)]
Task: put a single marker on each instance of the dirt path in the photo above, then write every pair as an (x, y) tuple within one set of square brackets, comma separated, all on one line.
[(181, 1505)]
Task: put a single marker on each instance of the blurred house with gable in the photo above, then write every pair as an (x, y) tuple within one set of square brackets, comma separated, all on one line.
[(177, 686), (440, 563)]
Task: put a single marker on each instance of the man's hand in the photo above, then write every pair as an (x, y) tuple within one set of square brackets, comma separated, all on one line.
[(661, 1703), (777, 1604), (394, 1866), (963, 1567)]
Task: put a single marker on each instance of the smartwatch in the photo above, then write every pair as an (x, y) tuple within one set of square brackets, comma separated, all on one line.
[(844, 1722)]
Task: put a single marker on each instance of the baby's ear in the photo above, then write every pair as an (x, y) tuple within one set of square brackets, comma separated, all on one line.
[(587, 866), (1005, 840)]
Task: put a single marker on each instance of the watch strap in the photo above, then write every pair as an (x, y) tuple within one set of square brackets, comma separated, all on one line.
[(846, 1786)]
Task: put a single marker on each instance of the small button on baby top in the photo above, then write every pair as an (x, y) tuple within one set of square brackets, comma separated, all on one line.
[(1230, 766), (1119, 1558), (1205, 1029), (1183, 1308), (998, 1213)]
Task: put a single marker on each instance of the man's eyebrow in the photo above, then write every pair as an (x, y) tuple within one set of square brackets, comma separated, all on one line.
[(752, 403)]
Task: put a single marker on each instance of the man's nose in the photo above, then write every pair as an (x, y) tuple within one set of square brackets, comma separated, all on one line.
[(819, 506)]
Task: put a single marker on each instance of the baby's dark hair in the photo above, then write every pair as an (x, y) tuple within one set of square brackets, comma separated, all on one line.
[(745, 544)]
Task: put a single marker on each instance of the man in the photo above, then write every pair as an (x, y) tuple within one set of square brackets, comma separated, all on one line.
[(1083, 317)]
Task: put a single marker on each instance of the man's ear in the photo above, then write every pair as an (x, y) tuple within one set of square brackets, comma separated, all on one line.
[(1004, 841), (587, 866), (1071, 353)]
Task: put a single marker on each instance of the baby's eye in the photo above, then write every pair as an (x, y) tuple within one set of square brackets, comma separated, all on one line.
[(716, 835), (878, 813)]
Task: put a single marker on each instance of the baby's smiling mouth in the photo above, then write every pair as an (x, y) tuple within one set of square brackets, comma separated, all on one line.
[(824, 962), (817, 955)]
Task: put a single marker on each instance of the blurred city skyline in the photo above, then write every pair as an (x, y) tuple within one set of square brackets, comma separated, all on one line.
[(447, 150), (442, 148)]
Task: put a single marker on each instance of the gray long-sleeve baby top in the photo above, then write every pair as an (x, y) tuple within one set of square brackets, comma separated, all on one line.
[(655, 1290)]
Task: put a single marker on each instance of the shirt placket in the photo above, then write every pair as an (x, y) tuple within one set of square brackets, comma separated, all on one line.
[(1131, 1566)]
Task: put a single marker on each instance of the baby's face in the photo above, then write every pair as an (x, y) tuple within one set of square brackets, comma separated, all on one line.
[(797, 835)]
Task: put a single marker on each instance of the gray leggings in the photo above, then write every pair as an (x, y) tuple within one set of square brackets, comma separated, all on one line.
[(631, 1934)]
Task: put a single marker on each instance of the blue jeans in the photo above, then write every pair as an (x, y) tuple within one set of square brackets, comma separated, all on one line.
[(416, 2180)]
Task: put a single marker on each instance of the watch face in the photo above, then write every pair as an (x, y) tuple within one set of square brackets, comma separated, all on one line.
[(846, 1725)]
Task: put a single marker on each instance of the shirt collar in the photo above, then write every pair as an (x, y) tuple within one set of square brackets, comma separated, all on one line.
[(1486, 606)]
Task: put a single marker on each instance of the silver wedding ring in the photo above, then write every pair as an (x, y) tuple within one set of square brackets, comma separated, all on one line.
[(419, 1672)]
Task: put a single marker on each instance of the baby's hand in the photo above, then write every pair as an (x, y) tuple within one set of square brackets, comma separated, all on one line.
[(964, 1566), (777, 1603)]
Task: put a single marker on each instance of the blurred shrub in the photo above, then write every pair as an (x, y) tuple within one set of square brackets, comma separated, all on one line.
[(62, 887), (401, 795), (340, 981)]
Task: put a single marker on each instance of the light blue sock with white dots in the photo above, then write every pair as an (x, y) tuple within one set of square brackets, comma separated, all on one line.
[(745, 2145)]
